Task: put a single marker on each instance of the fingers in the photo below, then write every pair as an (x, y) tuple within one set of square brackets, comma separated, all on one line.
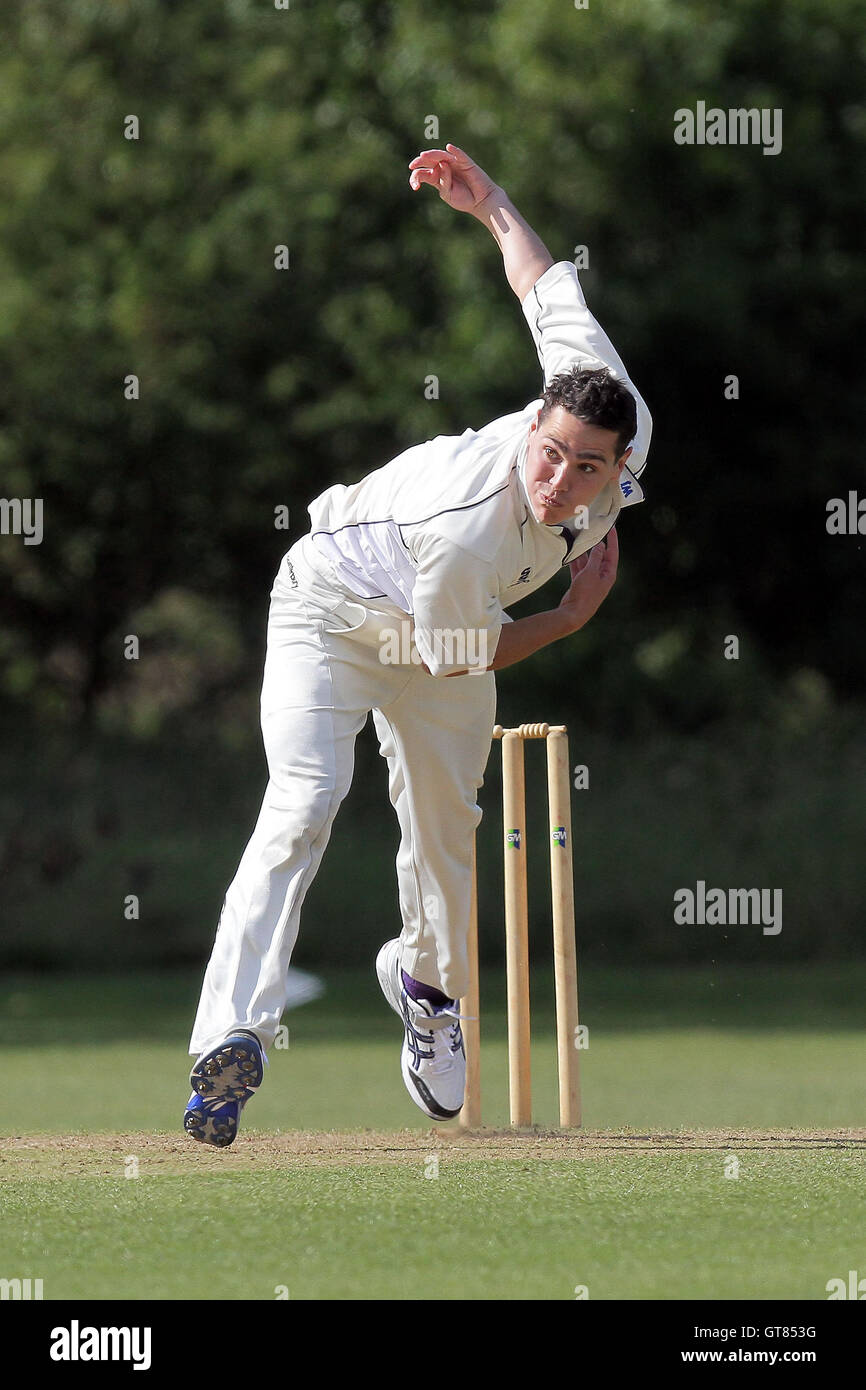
[(434, 176), (610, 556), (435, 167), (431, 157), (428, 164), (419, 176), (439, 178), (436, 161), (602, 559), (607, 548)]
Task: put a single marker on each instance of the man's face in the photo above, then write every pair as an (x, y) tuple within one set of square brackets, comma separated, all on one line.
[(568, 464)]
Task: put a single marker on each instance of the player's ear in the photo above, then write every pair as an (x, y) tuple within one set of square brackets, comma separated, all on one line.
[(621, 461)]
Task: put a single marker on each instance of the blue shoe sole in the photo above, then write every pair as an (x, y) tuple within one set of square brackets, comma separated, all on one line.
[(217, 1127), (224, 1079)]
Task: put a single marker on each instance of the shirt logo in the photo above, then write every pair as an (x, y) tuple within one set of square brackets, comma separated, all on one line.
[(627, 488)]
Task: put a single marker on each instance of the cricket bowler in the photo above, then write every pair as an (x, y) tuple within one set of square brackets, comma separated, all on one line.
[(394, 602)]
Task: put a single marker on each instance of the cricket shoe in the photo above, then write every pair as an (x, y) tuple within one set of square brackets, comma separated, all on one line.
[(222, 1081), (432, 1061)]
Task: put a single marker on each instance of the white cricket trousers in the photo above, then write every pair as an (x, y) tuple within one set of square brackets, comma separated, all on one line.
[(323, 675)]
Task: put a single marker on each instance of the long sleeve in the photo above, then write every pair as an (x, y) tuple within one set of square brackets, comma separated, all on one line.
[(456, 608), (566, 335)]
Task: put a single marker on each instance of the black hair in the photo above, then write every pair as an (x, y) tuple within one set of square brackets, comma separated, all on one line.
[(596, 396)]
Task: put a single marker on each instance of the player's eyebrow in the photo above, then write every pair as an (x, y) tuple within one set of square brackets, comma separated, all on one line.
[(582, 454)]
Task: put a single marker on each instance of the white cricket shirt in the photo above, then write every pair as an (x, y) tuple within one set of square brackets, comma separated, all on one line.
[(445, 532)]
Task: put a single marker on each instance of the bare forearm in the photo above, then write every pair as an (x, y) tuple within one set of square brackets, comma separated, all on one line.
[(524, 254), (526, 636), (523, 638)]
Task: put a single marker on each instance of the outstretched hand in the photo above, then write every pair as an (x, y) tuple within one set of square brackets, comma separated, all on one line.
[(459, 181), (593, 575)]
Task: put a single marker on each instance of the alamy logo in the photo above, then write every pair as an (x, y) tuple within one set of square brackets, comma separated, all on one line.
[(20, 1289), (856, 1287), (77, 1343), (717, 907), (22, 516), (846, 516), (465, 647), (737, 126)]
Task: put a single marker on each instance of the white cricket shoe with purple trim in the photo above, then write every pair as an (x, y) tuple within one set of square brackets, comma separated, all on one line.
[(432, 1060)]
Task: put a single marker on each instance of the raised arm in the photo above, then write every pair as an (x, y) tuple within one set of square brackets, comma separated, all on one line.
[(464, 186), (563, 329)]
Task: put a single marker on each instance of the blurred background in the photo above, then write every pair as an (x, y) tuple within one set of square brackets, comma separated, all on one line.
[(260, 387)]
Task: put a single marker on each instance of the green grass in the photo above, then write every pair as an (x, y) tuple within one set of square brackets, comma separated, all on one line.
[(667, 1048), (670, 1051), (659, 1226)]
